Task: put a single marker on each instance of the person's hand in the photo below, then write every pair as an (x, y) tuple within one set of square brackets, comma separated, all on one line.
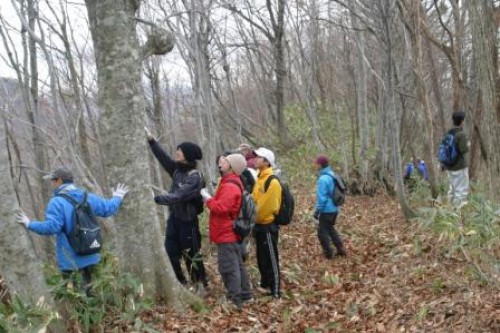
[(149, 135), (316, 215), (205, 194), (21, 218), (120, 191)]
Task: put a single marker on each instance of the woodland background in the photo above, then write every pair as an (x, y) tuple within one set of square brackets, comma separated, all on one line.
[(371, 83)]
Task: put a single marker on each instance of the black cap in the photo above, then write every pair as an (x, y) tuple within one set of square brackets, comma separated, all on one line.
[(60, 173)]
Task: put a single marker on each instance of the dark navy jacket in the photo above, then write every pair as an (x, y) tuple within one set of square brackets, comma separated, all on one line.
[(184, 199)]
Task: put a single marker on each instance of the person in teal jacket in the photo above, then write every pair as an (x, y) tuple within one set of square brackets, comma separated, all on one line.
[(59, 221), (326, 211)]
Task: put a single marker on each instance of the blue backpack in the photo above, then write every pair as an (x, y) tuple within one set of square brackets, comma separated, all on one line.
[(447, 150)]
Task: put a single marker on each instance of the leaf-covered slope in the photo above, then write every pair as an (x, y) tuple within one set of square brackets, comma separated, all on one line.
[(395, 278)]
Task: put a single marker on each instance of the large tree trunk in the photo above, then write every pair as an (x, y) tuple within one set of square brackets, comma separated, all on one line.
[(428, 139), (18, 263), (361, 99), (485, 49), (387, 10), (118, 58)]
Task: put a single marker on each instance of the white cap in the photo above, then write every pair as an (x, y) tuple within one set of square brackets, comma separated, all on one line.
[(266, 153)]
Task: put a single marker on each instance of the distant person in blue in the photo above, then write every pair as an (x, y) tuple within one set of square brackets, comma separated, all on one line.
[(420, 166), (326, 211)]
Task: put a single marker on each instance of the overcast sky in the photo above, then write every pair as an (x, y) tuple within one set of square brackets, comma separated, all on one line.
[(177, 70)]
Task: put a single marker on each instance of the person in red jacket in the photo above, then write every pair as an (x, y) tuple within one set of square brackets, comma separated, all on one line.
[(224, 208)]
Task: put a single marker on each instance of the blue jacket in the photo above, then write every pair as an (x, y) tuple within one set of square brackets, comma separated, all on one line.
[(324, 192), (58, 221)]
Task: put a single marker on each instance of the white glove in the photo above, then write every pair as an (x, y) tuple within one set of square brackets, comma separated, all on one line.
[(23, 219), (205, 194), (149, 135), (120, 191)]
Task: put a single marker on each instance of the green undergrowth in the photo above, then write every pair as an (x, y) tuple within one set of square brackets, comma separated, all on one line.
[(469, 232), (116, 300)]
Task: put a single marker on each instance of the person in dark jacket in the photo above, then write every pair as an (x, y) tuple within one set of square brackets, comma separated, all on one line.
[(183, 237), (59, 221), (458, 173), (224, 209), (326, 211)]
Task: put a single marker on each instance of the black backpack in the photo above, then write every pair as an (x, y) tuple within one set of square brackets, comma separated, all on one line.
[(244, 223), (85, 237), (198, 200), (285, 214), (338, 195), (248, 180)]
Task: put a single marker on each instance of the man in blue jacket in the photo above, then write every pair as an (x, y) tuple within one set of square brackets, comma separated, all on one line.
[(59, 221), (326, 211)]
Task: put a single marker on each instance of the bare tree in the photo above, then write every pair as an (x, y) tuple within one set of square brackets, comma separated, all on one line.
[(119, 62), (18, 262), (275, 35)]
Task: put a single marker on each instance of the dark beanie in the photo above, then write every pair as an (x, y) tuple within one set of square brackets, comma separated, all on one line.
[(191, 151)]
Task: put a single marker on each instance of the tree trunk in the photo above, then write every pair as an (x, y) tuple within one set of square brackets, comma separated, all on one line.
[(361, 100), (18, 263), (485, 50), (118, 60), (387, 10), (428, 139)]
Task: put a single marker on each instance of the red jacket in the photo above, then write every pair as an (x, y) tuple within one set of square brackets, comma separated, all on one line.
[(224, 208)]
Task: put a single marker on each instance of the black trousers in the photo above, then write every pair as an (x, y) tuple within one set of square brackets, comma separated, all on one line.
[(327, 234), (183, 241), (81, 280), (266, 241)]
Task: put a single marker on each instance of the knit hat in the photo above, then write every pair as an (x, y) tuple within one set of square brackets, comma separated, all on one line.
[(322, 160), (267, 154), (62, 173), (237, 162), (191, 151)]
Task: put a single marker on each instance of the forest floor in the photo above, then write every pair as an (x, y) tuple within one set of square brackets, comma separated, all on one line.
[(395, 278)]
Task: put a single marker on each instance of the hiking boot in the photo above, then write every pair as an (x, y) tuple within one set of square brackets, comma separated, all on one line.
[(341, 253), (247, 300), (275, 296), (263, 290)]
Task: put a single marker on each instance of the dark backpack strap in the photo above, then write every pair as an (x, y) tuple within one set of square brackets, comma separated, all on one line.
[(334, 181), (72, 201), (268, 182)]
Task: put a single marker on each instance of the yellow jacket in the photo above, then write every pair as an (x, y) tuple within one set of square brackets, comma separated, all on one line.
[(269, 202)]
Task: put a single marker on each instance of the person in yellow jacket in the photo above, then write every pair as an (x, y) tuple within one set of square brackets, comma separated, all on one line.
[(266, 231)]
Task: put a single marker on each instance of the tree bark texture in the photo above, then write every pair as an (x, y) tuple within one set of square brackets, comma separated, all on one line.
[(18, 263), (118, 59)]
